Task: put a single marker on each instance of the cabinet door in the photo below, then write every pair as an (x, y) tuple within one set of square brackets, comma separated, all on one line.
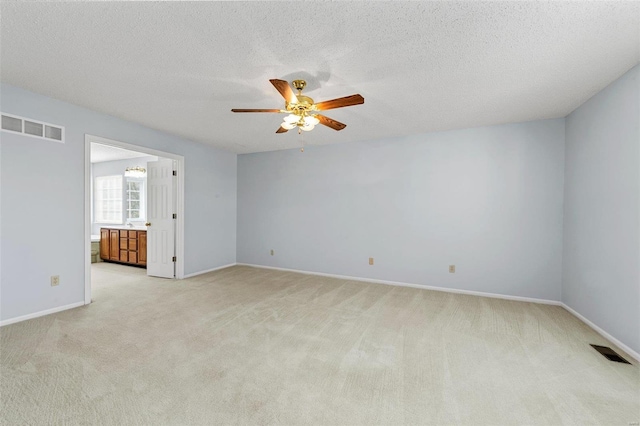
[(133, 258), (142, 247), (104, 243), (114, 244)]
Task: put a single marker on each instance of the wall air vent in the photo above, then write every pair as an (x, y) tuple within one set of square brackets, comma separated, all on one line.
[(28, 127), (610, 354)]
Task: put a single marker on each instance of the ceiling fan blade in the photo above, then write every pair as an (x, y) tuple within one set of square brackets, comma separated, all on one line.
[(285, 90), (330, 122), (340, 102), (281, 130), (254, 110)]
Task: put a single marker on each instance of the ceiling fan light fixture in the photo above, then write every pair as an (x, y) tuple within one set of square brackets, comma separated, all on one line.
[(302, 109)]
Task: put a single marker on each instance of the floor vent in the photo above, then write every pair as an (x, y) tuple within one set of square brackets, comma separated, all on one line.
[(34, 128), (610, 354)]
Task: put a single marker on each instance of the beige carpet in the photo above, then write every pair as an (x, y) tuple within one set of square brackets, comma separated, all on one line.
[(252, 346)]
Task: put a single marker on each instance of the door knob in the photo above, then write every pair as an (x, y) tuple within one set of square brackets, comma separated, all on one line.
[(147, 224)]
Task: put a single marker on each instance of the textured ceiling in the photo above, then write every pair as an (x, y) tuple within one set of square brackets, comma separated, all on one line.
[(101, 153), (180, 67)]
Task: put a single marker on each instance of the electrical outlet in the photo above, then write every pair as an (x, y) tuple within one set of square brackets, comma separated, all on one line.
[(371, 261), (55, 280), (452, 269), (271, 252)]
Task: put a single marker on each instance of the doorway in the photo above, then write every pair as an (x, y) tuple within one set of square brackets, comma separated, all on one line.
[(143, 234)]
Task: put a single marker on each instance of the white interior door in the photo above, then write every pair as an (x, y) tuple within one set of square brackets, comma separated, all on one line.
[(160, 222)]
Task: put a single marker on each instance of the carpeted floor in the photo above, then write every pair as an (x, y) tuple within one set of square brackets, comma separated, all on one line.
[(253, 346)]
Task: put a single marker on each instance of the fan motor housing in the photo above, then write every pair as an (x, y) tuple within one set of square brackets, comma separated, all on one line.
[(304, 103)]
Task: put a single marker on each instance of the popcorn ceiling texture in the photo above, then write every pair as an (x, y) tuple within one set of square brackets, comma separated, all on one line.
[(180, 67)]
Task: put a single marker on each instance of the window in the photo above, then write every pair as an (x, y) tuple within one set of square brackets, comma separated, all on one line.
[(108, 199), (135, 202)]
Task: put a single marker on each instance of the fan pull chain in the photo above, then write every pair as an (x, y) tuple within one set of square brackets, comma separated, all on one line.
[(301, 139)]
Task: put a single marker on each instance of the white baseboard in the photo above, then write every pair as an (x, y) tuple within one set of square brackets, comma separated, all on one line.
[(603, 333), (40, 314), (424, 287), (209, 270)]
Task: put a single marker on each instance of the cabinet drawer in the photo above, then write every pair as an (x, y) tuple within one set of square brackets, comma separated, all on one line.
[(123, 246)]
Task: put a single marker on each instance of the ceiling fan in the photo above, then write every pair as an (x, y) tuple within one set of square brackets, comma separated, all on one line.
[(302, 109)]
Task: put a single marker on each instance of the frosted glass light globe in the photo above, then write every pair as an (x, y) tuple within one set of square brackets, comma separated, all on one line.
[(311, 120), (292, 118)]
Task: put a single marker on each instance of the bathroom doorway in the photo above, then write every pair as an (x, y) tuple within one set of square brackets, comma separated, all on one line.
[(134, 206)]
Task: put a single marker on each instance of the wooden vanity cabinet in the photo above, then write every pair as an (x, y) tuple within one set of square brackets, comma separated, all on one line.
[(123, 246)]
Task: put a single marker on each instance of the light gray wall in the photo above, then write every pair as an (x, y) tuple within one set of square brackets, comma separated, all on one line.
[(488, 200), (112, 168), (601, 269), (42, 201)]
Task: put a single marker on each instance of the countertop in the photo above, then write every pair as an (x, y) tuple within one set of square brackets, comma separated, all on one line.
[(125, 227), (96, 238)]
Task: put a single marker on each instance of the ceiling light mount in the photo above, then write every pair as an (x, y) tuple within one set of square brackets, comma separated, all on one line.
[(299, 85)]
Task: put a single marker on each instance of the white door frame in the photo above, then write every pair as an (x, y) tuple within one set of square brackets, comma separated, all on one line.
[(88, 140)]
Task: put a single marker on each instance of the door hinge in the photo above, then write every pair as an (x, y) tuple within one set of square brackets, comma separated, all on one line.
[(175, 173), (175, 216), (174, 258)]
